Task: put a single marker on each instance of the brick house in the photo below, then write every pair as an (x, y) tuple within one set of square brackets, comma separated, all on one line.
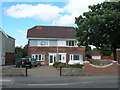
[(7, 49), (118, 54), (49, 44)]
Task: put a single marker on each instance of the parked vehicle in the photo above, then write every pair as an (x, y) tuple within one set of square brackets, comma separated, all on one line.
[(23, 62), (33, 62)]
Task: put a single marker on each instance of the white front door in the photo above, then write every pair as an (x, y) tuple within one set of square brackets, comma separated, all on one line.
[(52, 59)]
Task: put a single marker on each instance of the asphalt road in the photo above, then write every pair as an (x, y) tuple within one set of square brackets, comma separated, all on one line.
[(105, 81)]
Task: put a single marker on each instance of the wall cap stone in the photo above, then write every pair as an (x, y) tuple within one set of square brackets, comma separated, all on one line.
[(86, 61)]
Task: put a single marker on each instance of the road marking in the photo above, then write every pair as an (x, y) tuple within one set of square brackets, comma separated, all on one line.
[(48, 84), (70, 83), (5, 80)]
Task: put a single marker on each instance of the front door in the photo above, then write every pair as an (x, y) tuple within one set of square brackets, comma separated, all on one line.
[(62, 58), (52, 59)]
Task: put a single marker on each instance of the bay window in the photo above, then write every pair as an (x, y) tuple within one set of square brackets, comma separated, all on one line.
[(76, 57)]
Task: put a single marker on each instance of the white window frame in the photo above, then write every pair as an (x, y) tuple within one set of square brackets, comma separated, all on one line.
[(40, 43), (70, 41), (42, 58), (72, 57)]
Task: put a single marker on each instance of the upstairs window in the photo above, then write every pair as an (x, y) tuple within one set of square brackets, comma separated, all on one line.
[(43, 43), (71, 43)]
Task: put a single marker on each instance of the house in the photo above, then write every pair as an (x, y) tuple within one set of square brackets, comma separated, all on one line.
[(7, 48), (49, 44), (93, 54), (118, 54)]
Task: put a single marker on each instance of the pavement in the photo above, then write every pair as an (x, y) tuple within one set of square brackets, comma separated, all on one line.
[(43, 71)]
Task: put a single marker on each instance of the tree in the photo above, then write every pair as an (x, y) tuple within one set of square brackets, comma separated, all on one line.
[(100, 27), (88, 48), (21, 52)]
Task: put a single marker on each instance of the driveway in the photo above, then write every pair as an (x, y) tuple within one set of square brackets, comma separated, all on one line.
[(43, 71)]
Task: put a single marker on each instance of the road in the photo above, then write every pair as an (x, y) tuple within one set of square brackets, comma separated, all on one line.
[(106, 81)]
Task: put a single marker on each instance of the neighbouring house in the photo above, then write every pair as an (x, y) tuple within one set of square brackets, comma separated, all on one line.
[(49, 44), (93, 55), (118, 54), (7, 48)]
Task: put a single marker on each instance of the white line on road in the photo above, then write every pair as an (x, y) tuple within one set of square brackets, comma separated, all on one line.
[(71, 83), (5, 80), (48, 84)]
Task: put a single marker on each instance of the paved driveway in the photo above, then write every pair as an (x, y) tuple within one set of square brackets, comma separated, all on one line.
[(43, 71)]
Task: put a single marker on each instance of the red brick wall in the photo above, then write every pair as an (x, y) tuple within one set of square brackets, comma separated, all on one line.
[(46, 50), (118, 54), (107, 57), (9, 58), (93, 70)]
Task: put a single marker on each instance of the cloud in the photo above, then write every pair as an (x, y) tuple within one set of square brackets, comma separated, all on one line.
[(49, 13), (23, 33), (75, 8), (43, 12)]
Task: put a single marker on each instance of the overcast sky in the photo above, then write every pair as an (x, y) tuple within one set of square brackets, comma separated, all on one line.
[(18, 17)]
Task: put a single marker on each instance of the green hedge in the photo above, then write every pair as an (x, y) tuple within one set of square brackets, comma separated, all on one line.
[(56, 64), (74, 66)]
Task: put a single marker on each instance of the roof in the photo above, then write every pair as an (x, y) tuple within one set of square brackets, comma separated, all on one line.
[(7, 36), (51, 32)]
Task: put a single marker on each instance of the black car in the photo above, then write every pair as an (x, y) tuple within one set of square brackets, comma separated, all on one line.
[(23, 62)]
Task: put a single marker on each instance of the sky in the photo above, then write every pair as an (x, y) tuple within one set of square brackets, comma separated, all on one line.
[(17, 16)]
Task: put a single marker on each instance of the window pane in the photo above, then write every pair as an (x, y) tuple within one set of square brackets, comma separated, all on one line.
[(43, 57), (36, 57), (33, 56), (72, 43), (39, 57), (43, 43), (67, 43), (59, 57), (76, 57), (51, 59), (71, 57)]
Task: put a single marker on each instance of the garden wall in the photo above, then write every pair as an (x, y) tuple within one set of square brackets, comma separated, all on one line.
[(90, 69), (72, 72), (11, 71)]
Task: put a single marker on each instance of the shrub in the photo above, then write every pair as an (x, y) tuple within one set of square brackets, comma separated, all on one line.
[(56, 64), (74, 66)]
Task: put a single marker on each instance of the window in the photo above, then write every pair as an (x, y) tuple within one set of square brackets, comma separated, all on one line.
[(60, 57), (71, 43), (43, 43), (75, 57), (38, 57)]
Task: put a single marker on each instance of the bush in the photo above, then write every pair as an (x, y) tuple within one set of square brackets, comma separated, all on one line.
[(56, 64), (74, 66)]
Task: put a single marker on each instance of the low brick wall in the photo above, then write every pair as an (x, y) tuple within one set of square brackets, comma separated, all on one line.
[(91, 69), (72, 72), (10, 71)]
